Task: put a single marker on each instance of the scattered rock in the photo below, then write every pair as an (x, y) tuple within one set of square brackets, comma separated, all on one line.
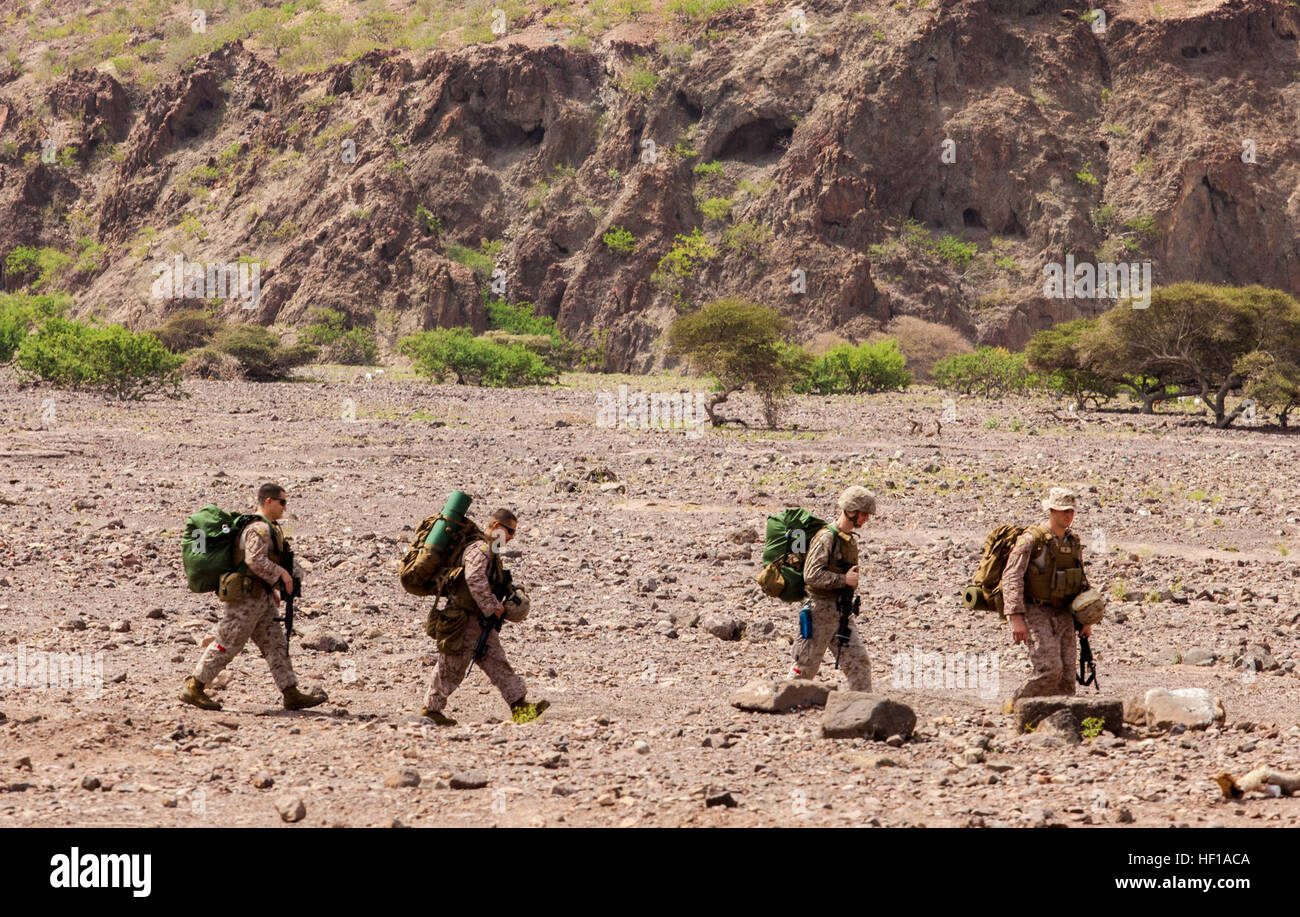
[(1194, 708), (1257, 658), (291, 808), (89, 783), (744, 535), (724, 627), (856, 714), (1199, 656), (1028, 711), (121, 627), (406, 777), (263, 781), (1061, 723), (468, 780), (765, 695), (325, 643), (720, 799)]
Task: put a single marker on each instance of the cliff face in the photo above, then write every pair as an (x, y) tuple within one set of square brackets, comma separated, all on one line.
[(1010, 124)]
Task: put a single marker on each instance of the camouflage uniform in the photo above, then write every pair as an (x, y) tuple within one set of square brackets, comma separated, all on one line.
[(830, 555), (253, 615), (1053, 647), (472, 592)]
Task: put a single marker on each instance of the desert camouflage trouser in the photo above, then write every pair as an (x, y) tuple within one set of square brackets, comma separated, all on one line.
[(450, 669), (1053, 650), (808, 654), (250, 617)]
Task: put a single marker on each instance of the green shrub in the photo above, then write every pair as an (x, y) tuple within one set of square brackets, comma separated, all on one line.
[(987, 371), (20, 312), (640, 80), (620, 241), (677, 268), (456, 353), (109, 359), (748, 238), (868, 367), (430, 224), (260, 352), (717, 208), (518, 318), (42, 268), (954, 251), (187, 329), (475, 261), (340, 339)]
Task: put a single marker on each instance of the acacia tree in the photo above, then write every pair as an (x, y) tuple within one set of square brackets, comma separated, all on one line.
[(1192, 339), (740, 344), (1064, 355)]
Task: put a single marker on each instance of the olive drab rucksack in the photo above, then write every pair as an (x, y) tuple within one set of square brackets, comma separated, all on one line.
[(426, 569), (985, 593), (788, 535), (207, 546)]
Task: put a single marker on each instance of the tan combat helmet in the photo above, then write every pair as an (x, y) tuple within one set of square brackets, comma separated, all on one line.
[(1088, 607), (1059, 498), (857, 499)]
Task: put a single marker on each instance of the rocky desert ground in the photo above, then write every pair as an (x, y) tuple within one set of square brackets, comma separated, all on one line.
[(639, 548)]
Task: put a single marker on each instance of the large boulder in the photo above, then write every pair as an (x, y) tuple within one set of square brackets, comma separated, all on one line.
[(765, 695), (856, 714), (1030, 711), (1194, 708)]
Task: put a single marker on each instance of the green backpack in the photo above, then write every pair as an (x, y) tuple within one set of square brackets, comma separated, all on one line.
[(207, 546), (788, 535)]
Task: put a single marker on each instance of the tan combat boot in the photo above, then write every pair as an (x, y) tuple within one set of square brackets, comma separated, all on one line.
[(521, 711), (193, 694), (437, 716), (296, 700)]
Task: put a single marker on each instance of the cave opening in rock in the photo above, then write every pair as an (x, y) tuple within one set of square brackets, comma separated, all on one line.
[(504, 135), (756, 140), (971, 219), (690, 108)]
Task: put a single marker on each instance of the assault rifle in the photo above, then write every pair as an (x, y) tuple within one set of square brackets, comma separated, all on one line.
[(487, 624), (848, 604), (504, 590), (289, 597), (1086, 666)]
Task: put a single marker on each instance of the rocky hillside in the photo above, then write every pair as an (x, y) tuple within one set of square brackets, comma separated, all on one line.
[(391, 185)]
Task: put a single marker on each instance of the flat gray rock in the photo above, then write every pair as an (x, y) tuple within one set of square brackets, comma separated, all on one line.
[(765, 695), (856, 714), (1029, 711), (1194, 708)]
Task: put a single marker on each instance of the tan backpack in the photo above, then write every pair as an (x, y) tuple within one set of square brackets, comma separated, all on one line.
[(427, 569)]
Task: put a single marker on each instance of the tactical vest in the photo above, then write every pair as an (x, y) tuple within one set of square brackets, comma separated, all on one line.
[(446, 624), (459, 595), (843, 557), (1061, 578), (275, 551)]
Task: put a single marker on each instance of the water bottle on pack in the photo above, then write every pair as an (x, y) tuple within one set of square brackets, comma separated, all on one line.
[(805, 621)]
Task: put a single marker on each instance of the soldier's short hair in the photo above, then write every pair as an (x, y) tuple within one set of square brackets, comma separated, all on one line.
[(267, 491), (505, 517)]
